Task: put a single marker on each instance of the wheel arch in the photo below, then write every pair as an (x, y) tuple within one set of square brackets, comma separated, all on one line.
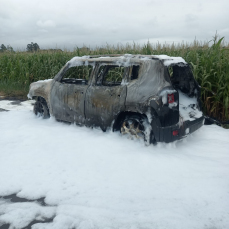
[(41, 99), (122, 115)]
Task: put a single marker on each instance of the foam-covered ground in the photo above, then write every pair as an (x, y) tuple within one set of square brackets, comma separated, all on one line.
[(96, 180)]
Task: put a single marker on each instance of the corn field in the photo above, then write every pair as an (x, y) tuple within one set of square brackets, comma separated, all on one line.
[(210, 65)]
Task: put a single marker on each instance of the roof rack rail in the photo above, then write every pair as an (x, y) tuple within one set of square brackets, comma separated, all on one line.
[(106, 55), (133, 55)]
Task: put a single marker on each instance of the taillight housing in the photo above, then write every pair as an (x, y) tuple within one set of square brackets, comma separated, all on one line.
[(170, 98), (175, 132)]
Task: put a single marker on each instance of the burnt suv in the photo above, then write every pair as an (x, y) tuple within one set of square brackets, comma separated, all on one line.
[(150, 97)]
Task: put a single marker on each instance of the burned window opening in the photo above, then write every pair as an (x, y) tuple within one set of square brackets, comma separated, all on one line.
[(134, 72), (77, 75), (170, 69), (182, 79), (110, 75)]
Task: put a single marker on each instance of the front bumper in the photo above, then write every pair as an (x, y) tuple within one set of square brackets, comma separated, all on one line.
[(165, 134)]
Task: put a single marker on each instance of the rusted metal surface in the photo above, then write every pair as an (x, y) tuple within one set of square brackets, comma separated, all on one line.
[(92, 103)]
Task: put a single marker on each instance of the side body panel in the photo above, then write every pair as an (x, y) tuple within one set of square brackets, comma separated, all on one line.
[(150, 82)]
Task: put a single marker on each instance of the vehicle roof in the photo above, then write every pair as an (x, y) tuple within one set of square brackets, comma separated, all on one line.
[(125, 58)]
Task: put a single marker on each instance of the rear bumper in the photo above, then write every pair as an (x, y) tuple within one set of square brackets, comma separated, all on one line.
[(165, 134)]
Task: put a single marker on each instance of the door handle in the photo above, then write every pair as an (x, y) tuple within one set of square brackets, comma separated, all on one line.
[(78, 92)]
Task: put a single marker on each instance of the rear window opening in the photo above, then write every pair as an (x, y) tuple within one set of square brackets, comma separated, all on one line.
[(183, 79)]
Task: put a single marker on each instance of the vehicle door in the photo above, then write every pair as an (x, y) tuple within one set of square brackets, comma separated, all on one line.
[(106, 96), (68, 94)]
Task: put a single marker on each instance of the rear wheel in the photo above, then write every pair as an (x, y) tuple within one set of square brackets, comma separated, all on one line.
[(41, 109), (137, 127), (133, 127)]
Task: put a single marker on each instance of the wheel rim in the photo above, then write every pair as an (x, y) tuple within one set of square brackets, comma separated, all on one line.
[(133, 129)]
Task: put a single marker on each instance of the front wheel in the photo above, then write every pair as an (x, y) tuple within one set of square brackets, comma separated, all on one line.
[(41, 109)]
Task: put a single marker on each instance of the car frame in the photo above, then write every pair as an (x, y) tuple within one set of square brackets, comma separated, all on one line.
[(143, 103)]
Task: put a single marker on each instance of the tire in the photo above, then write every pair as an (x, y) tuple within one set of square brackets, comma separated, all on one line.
[(41, 109), (138, 127), (133, 127)]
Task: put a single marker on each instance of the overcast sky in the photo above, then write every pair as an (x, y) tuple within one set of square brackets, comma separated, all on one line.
[(72, 23)]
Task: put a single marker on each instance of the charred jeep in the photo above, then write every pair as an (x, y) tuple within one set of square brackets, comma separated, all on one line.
[(151, 97)]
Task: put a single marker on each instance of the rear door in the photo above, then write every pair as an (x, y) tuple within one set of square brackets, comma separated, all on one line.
[(105, 98)]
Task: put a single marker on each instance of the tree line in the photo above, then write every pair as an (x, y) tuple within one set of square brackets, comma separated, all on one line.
[(7, 48), (33, 47)]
